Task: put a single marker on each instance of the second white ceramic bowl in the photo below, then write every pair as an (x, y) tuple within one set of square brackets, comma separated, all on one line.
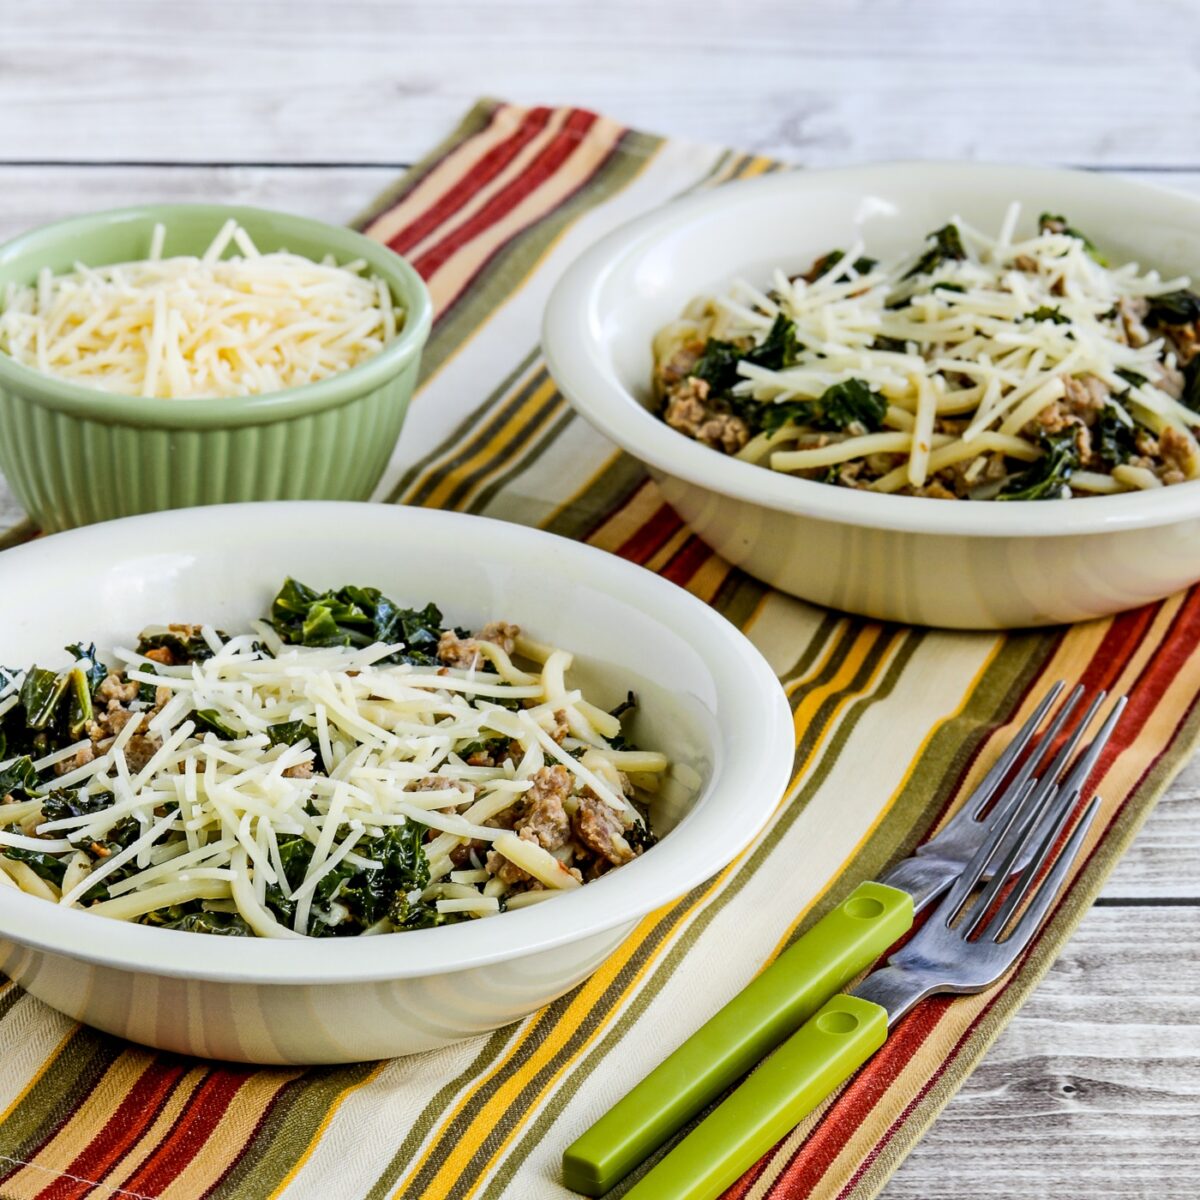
[(900, 558), (707, 698)]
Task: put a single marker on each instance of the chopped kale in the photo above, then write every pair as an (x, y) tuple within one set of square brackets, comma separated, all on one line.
[(1174, 308), (1131, 377), (947, 247), (1056, 223), (1112, 440), (890, 345), (183, 647), (354, 616), (288, 733), (20, 777), (1048, 478), (1191, 385), (62, 803), (862, 265), (839, 406), (208, 720), (147, 692), (366, 896), (1045, 313), (40, 694), (627, 705), (47, 866), (97, 672), (943, 286), (195, 919), (717, 366)]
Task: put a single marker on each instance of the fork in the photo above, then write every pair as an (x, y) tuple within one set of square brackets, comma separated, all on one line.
[(962, 948), (846, 941)]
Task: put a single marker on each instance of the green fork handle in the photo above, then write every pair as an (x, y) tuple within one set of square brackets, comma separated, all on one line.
[(845, 942), (786, 1088)]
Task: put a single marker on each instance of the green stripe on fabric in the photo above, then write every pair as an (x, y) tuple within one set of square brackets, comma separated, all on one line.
[(286, 1131), (1070, 911), (473, 124), (494, 425), (8, 998), (547, 1021), (438, 1105), (509, 267), (611, 490), (60, 1091), (950, 752), (469, 426), (526, 509), (902, 649)]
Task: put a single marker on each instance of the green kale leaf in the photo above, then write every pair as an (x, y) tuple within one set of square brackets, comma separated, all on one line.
[(1174, 308), (20, 776), (718, 365), (208, 720), (947, 247), (355, 616), (1047, 478), (288, 733), (195, 919), (44, 865), (1112, 440), (1045, 313), (1056, 223)]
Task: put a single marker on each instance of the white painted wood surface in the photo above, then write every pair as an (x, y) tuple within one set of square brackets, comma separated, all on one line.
[(314, 105)]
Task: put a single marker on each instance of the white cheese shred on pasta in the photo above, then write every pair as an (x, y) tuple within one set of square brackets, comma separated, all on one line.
[(990, 337), (381, 745), (200, 326)]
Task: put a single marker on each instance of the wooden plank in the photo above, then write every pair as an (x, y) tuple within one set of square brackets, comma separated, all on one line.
[(373, 81), (1094, 1088)]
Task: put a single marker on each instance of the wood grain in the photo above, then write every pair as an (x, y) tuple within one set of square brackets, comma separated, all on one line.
[(1092, 1091), (361, 81)]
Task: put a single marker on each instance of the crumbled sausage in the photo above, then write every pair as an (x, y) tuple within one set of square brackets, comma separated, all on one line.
[(689, 412), (680, 364), (161, 654), (302, 770), (80, 758), (600, 829), (1132, 310), (1178, 456), (116, 688), (139, 750), (458, 652), (544, 820), (502, 633)]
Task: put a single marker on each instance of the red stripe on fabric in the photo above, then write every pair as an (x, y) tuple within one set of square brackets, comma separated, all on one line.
[(449, 303), (692, 555), (129, 1121), (651, 536), (560, 148), (478, 177), (196, 1123), (812, 1160)]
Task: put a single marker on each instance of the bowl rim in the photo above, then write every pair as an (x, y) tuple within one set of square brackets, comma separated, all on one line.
[(742, 793), (578, 361), (209, 412)]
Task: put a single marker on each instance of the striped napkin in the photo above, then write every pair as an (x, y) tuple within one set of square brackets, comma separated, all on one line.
[(893, 726)]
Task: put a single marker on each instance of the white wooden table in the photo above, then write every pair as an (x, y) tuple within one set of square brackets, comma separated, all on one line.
[(314, 106)]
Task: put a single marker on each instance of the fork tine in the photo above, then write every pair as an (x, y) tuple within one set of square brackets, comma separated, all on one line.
[(1047, 739), (990, 784), (1076, 781), (1014, 847), (965, 884), (1053, 881)]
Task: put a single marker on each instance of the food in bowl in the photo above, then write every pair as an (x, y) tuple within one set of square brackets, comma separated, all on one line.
[(200, 326), (346, 766), (973, 368)]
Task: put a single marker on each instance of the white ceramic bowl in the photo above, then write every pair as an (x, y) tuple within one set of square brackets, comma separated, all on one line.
[(707, 698), (901, 558)]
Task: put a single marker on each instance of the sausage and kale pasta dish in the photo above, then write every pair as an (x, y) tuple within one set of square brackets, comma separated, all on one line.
[(346, 767), (979, 368)]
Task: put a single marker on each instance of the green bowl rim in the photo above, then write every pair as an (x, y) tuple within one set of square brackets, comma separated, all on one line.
[(225, 411)]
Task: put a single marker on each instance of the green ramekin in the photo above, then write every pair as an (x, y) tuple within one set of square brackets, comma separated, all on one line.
[(75, 455)]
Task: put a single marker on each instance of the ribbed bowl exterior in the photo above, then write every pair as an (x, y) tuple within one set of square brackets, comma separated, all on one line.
[(75, 455), (68, 470)]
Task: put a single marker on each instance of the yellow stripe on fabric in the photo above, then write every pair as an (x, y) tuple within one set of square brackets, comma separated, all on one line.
[(36, 1077), (290, 1177), (913, 766), (492, 450), (84, 1124), (489, 1116)]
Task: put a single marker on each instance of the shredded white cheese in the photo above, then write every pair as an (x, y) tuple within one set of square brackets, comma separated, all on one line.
[(200, 326)]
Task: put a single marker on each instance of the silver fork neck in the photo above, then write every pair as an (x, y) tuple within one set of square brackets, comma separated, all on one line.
[(924, 877), (897, 990)]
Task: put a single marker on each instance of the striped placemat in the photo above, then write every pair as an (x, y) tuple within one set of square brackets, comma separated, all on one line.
[(892, 725)]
